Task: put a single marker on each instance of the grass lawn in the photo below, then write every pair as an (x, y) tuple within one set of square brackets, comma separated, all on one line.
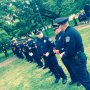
[(21, 75), (3, 58)]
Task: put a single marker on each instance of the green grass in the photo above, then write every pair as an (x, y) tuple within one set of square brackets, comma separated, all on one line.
[(3, 58), (21, 75)]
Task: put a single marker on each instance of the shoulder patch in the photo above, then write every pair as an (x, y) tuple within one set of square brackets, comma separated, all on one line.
[(67, 39)]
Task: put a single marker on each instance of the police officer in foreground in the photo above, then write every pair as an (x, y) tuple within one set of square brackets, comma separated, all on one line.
[(45, 47), (74, 52), (59, 48)]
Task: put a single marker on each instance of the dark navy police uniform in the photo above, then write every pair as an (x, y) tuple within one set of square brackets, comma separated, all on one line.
[(74, 52), (44, 46), (59, 43), (35, 53)]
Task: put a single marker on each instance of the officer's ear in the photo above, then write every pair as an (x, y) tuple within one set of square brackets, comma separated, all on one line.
[(60, 28)]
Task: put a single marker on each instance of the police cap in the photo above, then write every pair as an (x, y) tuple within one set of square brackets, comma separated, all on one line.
[(55, 26), (58, 21), (38, 32), (61, 20)]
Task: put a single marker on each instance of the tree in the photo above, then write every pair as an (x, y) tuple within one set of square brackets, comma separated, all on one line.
[(18, 16), (4, 38)]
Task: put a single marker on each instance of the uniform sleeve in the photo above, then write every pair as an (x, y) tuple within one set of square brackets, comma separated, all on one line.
[(70, 45), (60, 45)]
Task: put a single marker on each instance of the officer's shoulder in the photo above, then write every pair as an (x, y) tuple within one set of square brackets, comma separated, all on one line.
[(74, 31), (61, 33), (71, 31), (69, 34)]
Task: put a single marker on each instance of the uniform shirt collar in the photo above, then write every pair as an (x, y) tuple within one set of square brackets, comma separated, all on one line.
[(57, 36), (67, 28)]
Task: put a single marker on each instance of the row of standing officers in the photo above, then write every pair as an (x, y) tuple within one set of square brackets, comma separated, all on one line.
[(68, 44)]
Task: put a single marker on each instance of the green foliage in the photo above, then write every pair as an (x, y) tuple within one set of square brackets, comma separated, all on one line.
[(4, 39), (19, 17), (49, 31)]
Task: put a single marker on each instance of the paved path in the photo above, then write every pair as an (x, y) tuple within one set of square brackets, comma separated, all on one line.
[(83, 26), (6, 62)]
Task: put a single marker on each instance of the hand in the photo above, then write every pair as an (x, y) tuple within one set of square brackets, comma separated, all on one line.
[(62, 54), (56, 51), (31, 54), (47, 54), (54, 48)]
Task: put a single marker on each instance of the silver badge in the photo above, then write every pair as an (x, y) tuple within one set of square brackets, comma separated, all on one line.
[(35, 46), (62, 48), (44, 41), (59, 38), (50, 40), (67, 39), (33, 42), (29, 48)]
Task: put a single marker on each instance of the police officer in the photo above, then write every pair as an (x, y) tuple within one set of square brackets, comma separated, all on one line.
[(21, 49), (33, 51), (26, 52), (5, 51), (18, 50), (74, 52), (13, 47), (59, 48), (87, 10), (45, 47)]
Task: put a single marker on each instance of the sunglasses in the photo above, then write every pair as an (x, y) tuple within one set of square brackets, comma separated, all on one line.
[(55, 28)]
